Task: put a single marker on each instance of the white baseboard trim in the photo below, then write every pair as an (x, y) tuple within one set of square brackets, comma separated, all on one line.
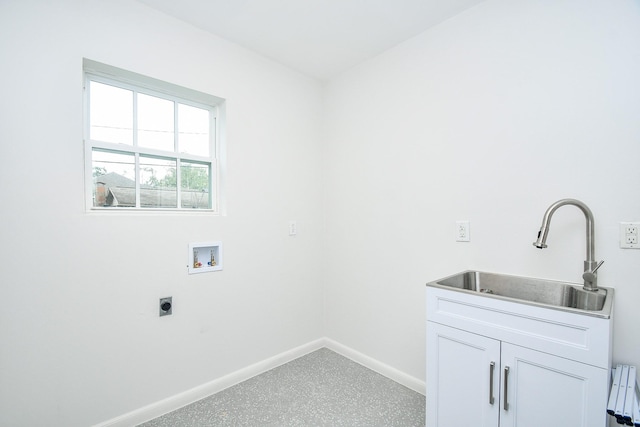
[(187, 397), (377, 366)]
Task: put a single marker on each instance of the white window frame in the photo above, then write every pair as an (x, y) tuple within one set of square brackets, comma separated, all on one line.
[(106, 74)]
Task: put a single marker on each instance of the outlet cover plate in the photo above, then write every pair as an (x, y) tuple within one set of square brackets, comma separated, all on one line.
[(462, 231), (630, 235)]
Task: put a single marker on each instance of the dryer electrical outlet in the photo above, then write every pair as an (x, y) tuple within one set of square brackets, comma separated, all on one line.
[(166, 306)]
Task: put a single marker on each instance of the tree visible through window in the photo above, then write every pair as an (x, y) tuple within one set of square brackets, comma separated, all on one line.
[(147, 148)]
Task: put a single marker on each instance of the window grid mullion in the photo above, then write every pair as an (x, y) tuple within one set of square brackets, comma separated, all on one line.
[(137, 172), (135, 120), (176, 134), (179, 182), (135, 147), (176, 131)]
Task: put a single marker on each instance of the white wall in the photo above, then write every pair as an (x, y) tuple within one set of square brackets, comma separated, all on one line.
[(489, 117), (80, 337)]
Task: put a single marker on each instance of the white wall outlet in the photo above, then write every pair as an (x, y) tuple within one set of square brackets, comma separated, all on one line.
[(463, 231), (293, 228), (629, 235)]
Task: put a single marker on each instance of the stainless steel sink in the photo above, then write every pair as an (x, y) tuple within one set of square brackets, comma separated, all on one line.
[(559, 295)]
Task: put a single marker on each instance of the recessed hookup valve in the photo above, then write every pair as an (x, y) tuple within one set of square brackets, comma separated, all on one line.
[(165, 306)]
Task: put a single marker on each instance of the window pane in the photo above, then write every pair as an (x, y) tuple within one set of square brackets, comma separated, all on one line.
[(155, 122), (158, 187), (111, 111), (113, 179), (193, 130), (194, 183)]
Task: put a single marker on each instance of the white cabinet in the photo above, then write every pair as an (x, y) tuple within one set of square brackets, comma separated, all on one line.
[(547, 390), (462, 378), (497, 363)]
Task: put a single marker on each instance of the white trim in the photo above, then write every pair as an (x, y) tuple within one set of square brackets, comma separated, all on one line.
[(187, 397), (390, 372)]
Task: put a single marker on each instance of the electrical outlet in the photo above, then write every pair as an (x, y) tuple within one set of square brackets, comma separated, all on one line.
[(462, 231), (166, 306), (629, 235), (293, 228)]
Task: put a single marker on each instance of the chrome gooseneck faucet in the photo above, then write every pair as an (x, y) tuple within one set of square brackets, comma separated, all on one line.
[(590, 265)]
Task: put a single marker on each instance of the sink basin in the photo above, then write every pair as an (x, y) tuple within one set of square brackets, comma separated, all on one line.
[(560, 295)]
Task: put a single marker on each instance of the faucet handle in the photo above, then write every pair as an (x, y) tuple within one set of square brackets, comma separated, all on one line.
[(590, 278), (597, 266)]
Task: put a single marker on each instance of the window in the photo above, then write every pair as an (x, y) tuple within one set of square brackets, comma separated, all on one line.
[(148, 144)]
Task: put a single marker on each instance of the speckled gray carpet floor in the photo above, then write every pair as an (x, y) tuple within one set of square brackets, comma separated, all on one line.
[(319, 389)]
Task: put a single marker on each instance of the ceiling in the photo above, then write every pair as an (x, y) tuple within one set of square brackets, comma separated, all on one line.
[(320, 38)]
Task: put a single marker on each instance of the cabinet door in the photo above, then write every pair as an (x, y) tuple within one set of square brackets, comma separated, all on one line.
[(546, 390), (462, 378)]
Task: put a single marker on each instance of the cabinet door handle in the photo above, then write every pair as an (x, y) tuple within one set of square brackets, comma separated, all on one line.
[(506, 389), (492, 366)]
